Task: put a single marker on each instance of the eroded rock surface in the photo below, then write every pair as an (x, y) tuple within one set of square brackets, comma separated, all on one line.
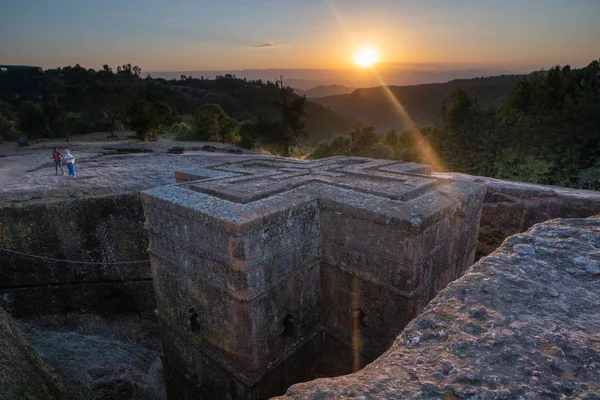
[(34, 279), (100, 358), (23, 373), (523, 323), (513, 207)]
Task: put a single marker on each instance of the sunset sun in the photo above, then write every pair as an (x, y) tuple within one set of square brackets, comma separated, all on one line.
[(366, 57)]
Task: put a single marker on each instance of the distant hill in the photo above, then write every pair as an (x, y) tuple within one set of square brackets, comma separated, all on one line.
[(322, 123), (246, 101), (422, 102), (398, 74), (324, 90)]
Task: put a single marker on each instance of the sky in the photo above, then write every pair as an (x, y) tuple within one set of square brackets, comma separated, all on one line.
[(184, 35)]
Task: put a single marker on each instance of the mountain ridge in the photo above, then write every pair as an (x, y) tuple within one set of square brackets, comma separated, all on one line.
[(423, 102)]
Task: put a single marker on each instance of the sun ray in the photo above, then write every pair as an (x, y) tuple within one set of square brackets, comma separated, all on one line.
[(426, 151)]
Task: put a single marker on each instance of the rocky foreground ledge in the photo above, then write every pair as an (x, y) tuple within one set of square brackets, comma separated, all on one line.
[(522, 323)]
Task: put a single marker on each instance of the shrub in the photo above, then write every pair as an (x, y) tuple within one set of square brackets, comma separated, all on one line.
[(322, 150), (589, 178), (182, 131), (382, 152)]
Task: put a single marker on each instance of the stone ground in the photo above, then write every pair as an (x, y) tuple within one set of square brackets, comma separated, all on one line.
[(100, 358), (522, 323), (102, 167)]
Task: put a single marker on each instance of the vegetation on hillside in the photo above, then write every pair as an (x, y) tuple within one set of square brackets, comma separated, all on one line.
[(64, 101), (546, 131)]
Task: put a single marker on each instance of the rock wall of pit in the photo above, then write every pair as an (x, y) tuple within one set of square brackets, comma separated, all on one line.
[(90, 232), (513, 207)]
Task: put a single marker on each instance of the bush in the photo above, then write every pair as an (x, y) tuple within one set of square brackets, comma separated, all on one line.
[(362, 140), (340, 146), (32, 120), (212, 123), (76, 123), (300, 151), (8, 129), (517, 167), (382, 152), (246, 142), (182, 131), (589, 178), (323, 150)]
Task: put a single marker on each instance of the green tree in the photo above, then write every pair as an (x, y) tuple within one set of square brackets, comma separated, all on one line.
[(213, 123), (465, 138), (32, 120), (381, 151), (255, 133), (8, 122), (110, 99), (338, 146), (166, 117), (362, 139), (290, 111), (323, 150), (140, 118), (8, 129), (391, 139), (529, 168)]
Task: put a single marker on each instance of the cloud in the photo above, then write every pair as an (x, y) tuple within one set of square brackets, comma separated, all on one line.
[(267, 45)]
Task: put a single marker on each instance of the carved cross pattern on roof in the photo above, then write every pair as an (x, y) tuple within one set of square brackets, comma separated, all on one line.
[(253, 180)]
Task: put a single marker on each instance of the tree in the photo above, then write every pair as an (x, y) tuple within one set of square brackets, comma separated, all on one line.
[(323, 150), (52, 113), (467, 136), (254, 133), (340, 146), (391, 139), (213, 123), (381, 151), (109, 98), (290, 110), (32, 120), (8, 122), (8, 129), (166, 118), (362, 139), (129, 72), (141, 118)]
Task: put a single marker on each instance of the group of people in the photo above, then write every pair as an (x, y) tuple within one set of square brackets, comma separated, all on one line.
[(59, 157)]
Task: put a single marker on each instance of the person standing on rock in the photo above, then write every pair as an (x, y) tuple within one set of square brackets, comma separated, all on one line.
[(58, 159), (70, 160)]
